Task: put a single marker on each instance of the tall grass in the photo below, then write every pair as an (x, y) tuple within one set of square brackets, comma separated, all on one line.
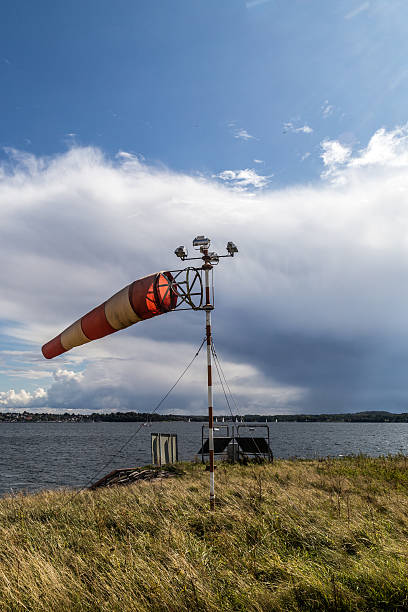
[(294, 535)]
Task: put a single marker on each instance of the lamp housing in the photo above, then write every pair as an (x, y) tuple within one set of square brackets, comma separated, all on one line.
[(201, 242), (181, 252), (232, 248)]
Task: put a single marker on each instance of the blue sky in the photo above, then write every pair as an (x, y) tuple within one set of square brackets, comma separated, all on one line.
[(285, 114), (179, 82)]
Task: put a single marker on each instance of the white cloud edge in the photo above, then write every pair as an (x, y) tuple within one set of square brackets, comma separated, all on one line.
[(387, 148)]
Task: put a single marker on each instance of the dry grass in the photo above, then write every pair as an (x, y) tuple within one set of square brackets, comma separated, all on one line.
[(295, 535)]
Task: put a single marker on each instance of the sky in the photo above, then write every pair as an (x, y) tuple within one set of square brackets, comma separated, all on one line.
[(128, 128)]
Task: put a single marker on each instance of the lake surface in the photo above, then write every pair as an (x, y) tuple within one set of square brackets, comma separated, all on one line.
[(36, 456)]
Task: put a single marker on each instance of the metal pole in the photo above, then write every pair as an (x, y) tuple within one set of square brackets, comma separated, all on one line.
[(202, 244), (208, 307)]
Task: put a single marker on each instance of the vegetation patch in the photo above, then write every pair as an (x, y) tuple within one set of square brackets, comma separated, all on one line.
[(294, 535)]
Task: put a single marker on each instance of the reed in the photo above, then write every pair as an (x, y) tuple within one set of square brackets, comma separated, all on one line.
[(293, 535)]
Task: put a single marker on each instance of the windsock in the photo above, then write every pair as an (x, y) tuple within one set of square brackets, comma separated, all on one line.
[(144, 298)]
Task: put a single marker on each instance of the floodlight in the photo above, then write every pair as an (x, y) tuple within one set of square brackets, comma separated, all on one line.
[(181, 252), (231, 248), (201, 242), (214, 257)]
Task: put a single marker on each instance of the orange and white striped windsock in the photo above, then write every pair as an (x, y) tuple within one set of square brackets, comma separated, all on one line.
[(144, 298)]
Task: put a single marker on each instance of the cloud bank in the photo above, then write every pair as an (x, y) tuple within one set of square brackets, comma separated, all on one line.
[(311, 315)]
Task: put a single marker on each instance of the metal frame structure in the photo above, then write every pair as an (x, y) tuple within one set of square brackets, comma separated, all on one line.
[(234, 438), (203, 427), (182, 288), (253, 426)]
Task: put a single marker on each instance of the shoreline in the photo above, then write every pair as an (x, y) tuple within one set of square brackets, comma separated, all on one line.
[(136, 417)]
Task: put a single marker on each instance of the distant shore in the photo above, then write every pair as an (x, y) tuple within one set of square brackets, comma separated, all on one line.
[(373, 416)]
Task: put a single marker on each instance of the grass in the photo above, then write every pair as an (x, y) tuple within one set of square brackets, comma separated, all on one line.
[(293, 535)]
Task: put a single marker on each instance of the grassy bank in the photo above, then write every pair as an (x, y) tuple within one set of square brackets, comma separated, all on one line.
[(295, 535)]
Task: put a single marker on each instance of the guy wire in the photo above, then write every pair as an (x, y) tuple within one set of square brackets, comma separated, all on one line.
[(216, 359), (220, 379)]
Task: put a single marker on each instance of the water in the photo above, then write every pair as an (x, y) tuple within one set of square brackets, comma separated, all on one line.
[(36, 456)]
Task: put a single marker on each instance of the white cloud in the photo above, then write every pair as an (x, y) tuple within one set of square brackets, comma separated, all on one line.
[(253, 3), (302, 129), (26, 373), (305, 156), (325, 262), (22, 399), (133, 158), (242, 134), (385, 150), (334, 155), (359, 9), (259, 161), (327, 109), (243, 179), (66, 375)]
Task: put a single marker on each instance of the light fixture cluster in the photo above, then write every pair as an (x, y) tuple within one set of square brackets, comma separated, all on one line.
[(202, 244)]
